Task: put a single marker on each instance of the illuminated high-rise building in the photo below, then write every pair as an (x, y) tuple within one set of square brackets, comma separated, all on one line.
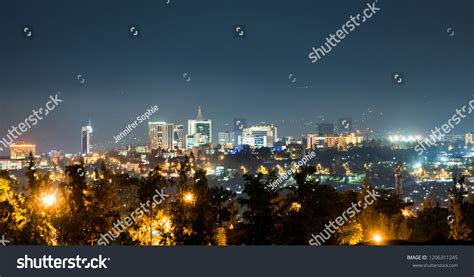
[(192, 140), (161, 135), (20, 151), (225, 139), (86, 133), (260, 136), (179, 137), (200, 126)]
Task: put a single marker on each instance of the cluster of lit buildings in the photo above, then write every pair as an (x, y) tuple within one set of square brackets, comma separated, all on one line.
[(173, 140), (400, 140), (171, 136), (169, 141)]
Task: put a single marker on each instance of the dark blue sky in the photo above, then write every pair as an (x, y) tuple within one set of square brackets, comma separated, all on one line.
[(231, 77)]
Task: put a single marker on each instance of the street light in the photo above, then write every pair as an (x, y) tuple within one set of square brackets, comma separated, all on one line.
[(377, 238), (407, 212), (48, 200), (295, 206), (188, 198)]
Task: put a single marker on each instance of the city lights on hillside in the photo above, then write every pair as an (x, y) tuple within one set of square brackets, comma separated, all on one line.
[(398, 138)]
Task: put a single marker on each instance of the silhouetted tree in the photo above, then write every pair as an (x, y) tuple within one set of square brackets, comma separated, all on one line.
[(260, 218)]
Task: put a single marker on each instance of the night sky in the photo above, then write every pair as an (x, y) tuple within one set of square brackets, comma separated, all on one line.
[(231, 76)]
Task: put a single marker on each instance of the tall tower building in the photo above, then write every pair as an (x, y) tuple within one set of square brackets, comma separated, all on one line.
[(160, 135), (200, 126), (86, 133)]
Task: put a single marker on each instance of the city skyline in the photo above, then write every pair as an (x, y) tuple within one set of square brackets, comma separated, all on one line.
[(137, 137), (182, 60)]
